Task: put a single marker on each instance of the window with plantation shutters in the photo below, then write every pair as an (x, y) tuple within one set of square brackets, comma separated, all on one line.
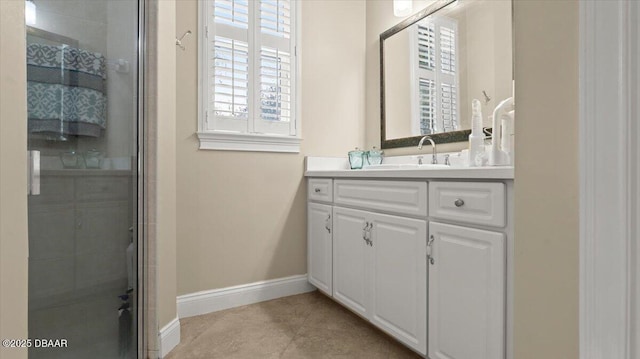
[(434, 76), (248, 63)]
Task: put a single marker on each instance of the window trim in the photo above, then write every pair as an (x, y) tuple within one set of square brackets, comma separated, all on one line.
[(242, 141)]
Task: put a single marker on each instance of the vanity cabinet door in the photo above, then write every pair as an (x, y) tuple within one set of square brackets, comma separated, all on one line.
[(398, 278), (320, 247), (466, 293), (350, 259)]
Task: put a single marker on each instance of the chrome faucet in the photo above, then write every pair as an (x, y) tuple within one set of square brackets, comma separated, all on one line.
[(434, 156)]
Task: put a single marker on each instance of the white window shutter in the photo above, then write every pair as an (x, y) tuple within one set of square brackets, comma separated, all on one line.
[(251, 67), (228, 63), (275, 68)]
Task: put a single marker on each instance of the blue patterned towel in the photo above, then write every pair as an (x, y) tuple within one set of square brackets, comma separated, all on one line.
[(66, 92)]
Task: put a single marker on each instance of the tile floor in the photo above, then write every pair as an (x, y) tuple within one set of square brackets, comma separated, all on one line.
[(302, 326)]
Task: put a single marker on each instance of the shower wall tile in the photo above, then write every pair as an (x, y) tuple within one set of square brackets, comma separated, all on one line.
[(95, 269), (72, 8), (90, 34), (81, 9), (49, 277), (51, 231), (121, 45), (105, 227), (91, 328)]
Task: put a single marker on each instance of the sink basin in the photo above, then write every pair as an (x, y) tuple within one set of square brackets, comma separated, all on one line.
[(405, 166)]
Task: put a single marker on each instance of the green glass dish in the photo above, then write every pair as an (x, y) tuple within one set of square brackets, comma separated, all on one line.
[(356, 159), (374, 156)]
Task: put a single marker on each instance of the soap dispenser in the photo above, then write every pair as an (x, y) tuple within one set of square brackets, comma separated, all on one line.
[(476, 138)]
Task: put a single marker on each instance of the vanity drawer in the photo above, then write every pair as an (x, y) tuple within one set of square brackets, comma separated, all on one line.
[(320, 189), (401, 197), (472, 202)]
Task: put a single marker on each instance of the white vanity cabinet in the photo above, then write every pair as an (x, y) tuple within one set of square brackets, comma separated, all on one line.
[(379, 266), (319, 235), (380, 271), (467, 270), (350, 259), (397, 278), (320, 247), (424, 259), (466, 293)]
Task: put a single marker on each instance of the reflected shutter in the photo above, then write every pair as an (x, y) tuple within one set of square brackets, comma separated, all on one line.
[(448, 95), (436, 77)]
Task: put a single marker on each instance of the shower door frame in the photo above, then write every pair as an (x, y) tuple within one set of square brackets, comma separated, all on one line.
[(145, 317), (141, 313)]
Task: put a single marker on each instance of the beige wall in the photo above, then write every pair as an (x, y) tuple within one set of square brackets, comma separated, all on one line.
[(241, 216), (14, 243), (398, 85), (486, 56), (546, 186), (166, 163)]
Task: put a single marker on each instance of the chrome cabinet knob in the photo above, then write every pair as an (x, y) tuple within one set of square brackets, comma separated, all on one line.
[(459, 202)]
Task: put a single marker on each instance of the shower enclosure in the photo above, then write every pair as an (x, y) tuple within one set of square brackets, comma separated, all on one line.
[(83, 125)]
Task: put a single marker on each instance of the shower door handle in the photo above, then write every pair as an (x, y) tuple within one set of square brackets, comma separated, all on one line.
[(33, 173)]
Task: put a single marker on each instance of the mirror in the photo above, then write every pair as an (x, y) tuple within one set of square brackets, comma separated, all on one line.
[(433, 64)]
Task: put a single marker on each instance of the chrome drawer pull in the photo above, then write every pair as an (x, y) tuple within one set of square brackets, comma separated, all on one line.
[(459, 202)]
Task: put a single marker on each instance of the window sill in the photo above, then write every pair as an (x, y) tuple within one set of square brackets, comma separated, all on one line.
[(227, 141)]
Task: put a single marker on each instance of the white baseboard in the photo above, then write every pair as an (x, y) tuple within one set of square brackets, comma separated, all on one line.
[(224, 298), (169, 337)]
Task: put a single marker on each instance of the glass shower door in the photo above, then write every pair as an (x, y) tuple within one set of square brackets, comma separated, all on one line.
[(82, 125)]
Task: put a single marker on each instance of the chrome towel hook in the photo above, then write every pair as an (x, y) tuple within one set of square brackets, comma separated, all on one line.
[(179, 41)]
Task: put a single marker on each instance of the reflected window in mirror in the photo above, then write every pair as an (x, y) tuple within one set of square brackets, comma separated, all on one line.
[(434, 76), (436, 62)]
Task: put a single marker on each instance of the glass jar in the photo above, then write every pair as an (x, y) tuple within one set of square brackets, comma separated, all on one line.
[(93, 159), (356, 159), (70, 159), (374, 156)]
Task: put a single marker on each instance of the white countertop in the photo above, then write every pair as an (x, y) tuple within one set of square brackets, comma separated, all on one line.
[(339, 167)]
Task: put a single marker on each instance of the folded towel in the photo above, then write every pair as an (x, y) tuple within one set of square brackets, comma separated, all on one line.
[(66, 58), (65, 90)]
